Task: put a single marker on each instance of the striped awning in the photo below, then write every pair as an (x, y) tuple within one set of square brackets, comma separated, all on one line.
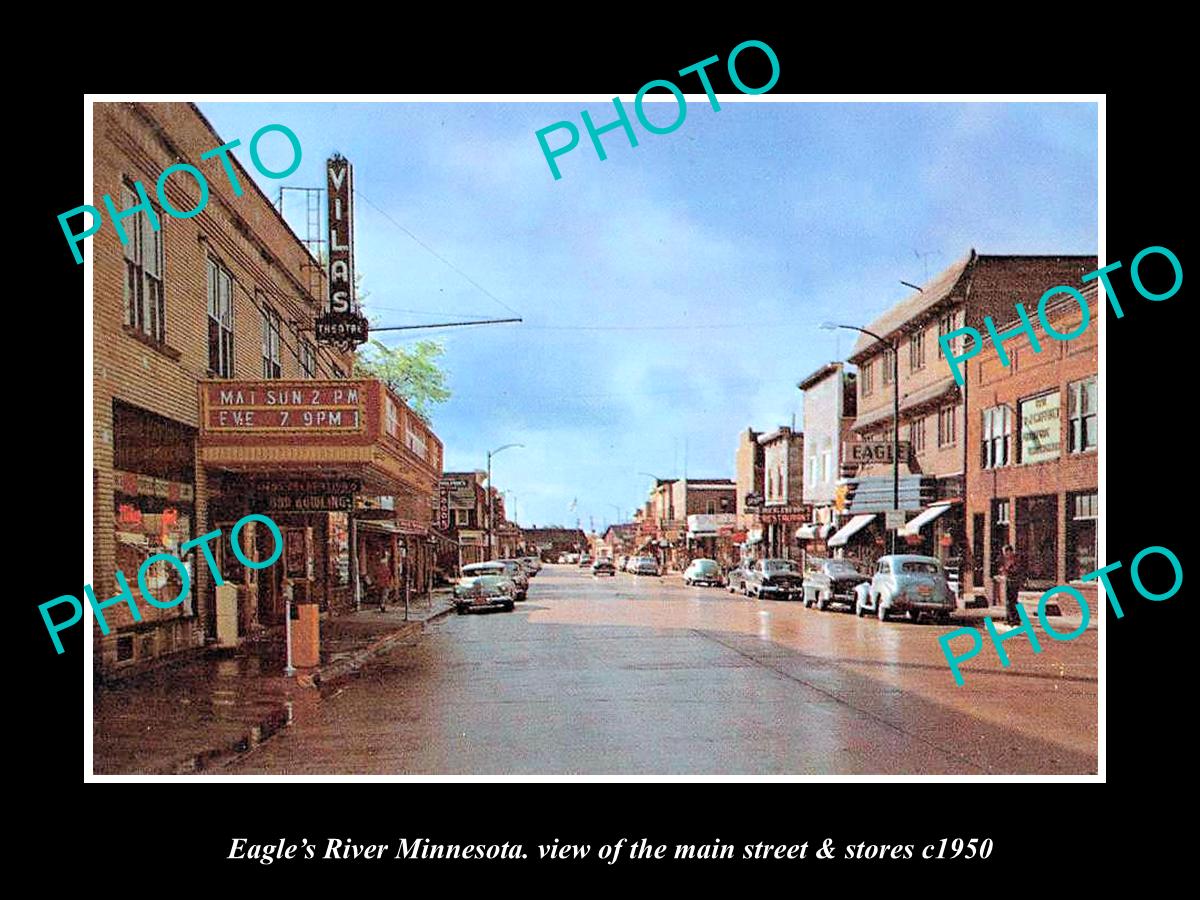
[(914, 527), (851, 528)]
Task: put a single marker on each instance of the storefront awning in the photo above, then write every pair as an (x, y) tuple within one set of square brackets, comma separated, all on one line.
[(927, 516), (814, 531), (851, 528)]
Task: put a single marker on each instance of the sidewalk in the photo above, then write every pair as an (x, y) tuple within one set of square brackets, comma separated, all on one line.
[(202, 713)]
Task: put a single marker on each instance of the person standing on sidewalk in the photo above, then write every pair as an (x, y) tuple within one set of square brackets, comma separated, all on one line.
[(1013, 567)]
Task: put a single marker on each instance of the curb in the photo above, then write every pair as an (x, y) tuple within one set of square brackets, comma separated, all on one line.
[(280, 716)]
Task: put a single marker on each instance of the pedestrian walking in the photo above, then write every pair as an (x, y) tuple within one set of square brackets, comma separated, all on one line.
[(1013, 567)]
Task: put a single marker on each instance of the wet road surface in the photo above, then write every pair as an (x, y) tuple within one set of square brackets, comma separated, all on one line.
[(633, 675)]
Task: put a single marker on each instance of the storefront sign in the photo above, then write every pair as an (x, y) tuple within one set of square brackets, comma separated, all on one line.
[(459, 492), (786, 514), (863, 452), (1041, 433), (301, 406), (341, 323), (307, 494)]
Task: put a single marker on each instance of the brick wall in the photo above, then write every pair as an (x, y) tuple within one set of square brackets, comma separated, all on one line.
[(1057, 365), (135, 142)]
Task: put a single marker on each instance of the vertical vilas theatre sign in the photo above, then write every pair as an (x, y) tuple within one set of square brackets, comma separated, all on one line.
[(341, 324)]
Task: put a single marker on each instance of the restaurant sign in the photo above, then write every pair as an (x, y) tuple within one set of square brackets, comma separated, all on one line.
[(301, 406), (307, 494), (786, 514), (341, 324)]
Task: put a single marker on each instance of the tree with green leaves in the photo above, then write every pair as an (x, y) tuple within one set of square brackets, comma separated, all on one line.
[(412, 372)]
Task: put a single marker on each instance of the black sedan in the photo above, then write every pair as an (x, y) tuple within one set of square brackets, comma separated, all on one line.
[(831, 581), (772, 579)]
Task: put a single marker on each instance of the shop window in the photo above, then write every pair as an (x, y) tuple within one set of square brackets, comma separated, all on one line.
[(270, 343), (308, 358), (1081, 534), (1081, 410), (144, 304), (996, 447), (916, 350), (220, 320), (946, 435), (1041, 429)]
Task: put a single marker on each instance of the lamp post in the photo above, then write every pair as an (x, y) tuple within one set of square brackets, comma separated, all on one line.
[(895, 348), (491, 504)]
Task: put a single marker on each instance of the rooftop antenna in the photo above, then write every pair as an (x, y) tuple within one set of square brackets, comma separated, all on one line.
[(924, 257)]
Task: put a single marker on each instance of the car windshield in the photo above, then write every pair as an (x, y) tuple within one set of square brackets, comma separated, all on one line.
[(485, 581), (704, 565), (475, 572), (841, 568), (778, 565), (925, 568)]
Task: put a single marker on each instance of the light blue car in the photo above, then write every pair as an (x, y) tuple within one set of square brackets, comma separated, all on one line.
[(907, 584)]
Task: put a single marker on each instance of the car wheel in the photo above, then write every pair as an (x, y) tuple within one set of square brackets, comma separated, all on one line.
[(943, 618), (509, 607), (914, 615), (462, 610)]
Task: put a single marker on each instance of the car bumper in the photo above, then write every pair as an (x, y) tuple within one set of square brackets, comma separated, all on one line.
[(469, 603), (786, 593)]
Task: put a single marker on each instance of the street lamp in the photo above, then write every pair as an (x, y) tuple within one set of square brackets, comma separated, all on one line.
[(895, 348), (491, 504)]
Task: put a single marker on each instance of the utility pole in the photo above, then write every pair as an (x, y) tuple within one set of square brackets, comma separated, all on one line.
[(491, 505)]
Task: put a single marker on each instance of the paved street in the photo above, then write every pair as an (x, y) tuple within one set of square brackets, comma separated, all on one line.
[(641, 675)]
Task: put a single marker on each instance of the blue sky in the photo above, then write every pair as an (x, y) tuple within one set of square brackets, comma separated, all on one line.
[(672, 294)]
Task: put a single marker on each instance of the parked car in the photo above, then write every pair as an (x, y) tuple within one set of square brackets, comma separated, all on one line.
[(831, 581), (604, 567), (703, 571), (911, 584), (735, 578), (505, 569), (483, 592), (645, 565), (516, 571), (776, 579), (532, 564), (584, 561)]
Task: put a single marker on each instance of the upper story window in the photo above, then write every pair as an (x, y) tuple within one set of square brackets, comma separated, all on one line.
[(392, 418), (868, 377), (946, 324), (1081, 410), (270, 343), (144, 303), (827, 465), (916, 350), (888, 365), (710, 507), (308, 358), (916, 434), (996, 448), (220, 320), (946, 426)]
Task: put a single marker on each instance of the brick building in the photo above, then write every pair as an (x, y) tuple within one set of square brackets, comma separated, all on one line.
[(749, 478), (203, 344), (932, 404), (1032, 432), (783, 509), (549, 542), (463, 516)]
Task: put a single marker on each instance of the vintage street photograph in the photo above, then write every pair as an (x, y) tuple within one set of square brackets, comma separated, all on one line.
[(487, 437)]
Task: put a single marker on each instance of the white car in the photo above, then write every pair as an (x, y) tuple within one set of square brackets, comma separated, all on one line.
[(644, 565)]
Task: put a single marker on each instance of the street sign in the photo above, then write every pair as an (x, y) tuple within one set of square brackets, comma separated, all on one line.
[(861, 452), (893, 518)]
